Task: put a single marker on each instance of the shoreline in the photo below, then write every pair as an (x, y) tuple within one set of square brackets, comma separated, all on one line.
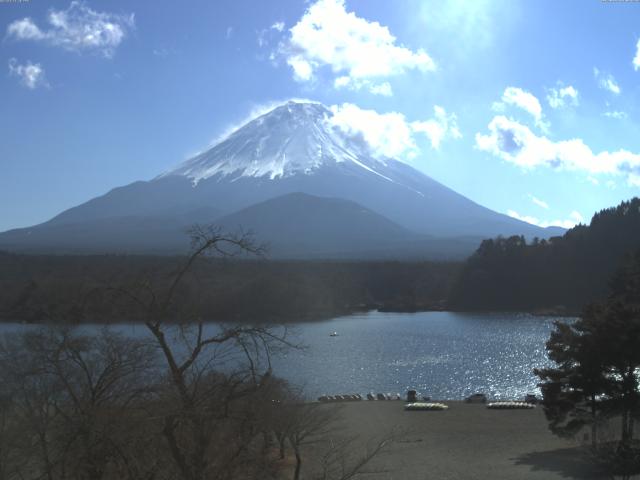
[(314, 317)]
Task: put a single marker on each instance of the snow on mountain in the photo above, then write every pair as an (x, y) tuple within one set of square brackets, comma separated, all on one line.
[(293, 149), (294, 138)]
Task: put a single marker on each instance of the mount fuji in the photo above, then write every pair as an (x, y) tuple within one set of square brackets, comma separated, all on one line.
[(302, 184)]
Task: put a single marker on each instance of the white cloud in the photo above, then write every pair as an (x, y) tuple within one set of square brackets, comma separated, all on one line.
[(345, 81), (562, 96), (441, 126), (388, 134), (616, 114), (522, 99), (228, 33), (385, 134), (636, 59), (358, 52), (381, 89), (516, 143), (540, 203), (303, 70), (278, 26), (78, 28), (391, 134), (25, 29), (574, 219), (607, 82), (31, 75)]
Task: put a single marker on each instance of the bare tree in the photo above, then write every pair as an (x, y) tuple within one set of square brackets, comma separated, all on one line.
[(306, 423), (212, 370), (72, 398), (190, 400)]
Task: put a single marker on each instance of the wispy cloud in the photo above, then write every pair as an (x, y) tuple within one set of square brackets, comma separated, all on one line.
[(516, 143), (593, 180), (438, 128), (524, 100), (617, 114), (606, 82), (561, 96), (538, 202), (78, 28), (267, 35), (278, 26), (31, 75), (636, 59), (164, 51), (359, 53), (574, 219)]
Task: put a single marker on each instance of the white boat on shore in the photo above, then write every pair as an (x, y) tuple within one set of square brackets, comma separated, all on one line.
[(425, 406)]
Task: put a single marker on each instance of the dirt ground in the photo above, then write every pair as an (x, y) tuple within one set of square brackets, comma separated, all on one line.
[(467, 441)]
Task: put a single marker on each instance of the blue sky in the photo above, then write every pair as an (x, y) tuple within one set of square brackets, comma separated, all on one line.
[(530, 108)]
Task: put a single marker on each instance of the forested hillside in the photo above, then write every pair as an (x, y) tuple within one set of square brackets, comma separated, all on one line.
[(561, 274), (37, 288)]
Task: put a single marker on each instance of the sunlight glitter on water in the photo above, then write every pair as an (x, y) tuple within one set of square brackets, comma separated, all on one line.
[(441, 354)]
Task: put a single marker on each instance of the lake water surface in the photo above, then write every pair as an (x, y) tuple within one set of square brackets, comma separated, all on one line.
[(444, 355)]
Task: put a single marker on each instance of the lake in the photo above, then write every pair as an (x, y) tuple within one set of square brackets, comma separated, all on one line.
[(444, 355)]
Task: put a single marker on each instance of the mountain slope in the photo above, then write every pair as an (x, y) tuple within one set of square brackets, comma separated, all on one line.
[(293, 148), (298, 225), (118, 234), (301, 222)]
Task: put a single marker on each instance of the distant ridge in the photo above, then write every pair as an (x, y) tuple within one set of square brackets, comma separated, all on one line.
[(298, 225)]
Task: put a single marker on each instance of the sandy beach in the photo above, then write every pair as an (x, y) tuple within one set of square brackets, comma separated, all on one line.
[(467, 441)]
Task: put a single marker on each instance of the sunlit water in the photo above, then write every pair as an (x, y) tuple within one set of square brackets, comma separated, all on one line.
[(443, 355)]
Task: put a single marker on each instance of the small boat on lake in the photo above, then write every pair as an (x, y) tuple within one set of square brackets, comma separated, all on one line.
[(333, 334)]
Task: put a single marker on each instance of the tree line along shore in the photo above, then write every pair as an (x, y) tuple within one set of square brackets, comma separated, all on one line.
[(556, 276)]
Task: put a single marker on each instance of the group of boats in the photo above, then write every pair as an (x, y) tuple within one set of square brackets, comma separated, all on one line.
[(425, 406), (529, 400), (510, 405), (425, 403), (357, 397)]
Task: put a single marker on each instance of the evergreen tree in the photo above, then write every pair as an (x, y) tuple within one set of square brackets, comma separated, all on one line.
[(597, 369), (561, 274)]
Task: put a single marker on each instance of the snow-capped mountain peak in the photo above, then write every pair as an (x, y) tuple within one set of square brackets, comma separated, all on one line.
[(283, 173), (293, 138)]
